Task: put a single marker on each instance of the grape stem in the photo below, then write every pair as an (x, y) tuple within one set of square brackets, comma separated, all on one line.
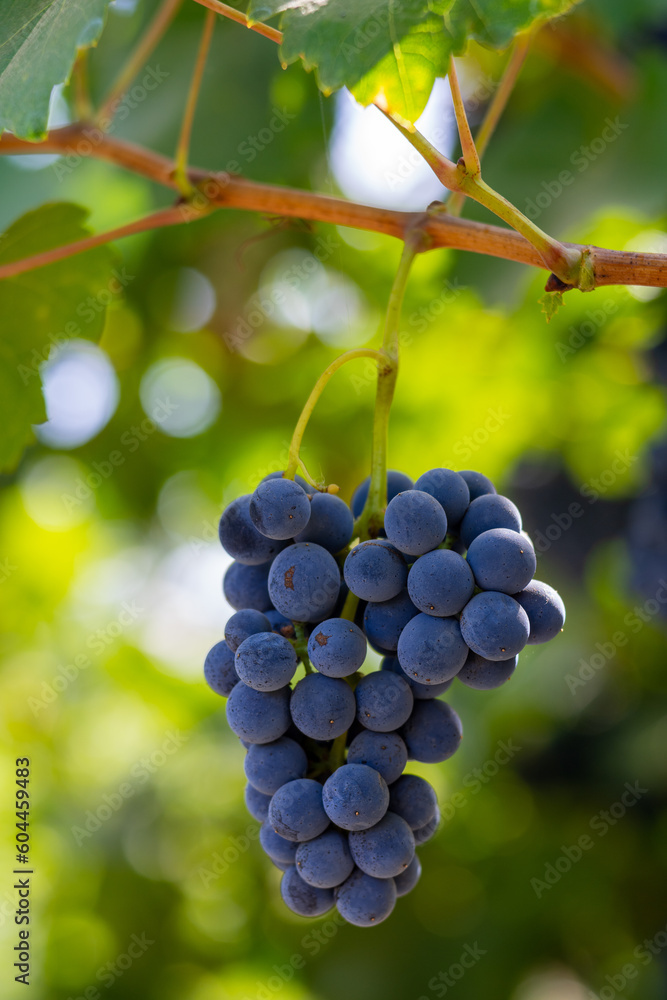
[(293, 459), (185, 186), (300, 644)]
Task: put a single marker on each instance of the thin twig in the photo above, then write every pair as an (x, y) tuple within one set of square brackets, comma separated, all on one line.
[(468, 148), (236, 15), (183, 147)]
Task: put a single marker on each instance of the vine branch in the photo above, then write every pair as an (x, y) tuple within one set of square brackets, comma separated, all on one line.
[(222, 190), (236, 15)]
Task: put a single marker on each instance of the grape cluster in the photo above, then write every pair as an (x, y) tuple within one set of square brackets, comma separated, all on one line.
[(446, 592)]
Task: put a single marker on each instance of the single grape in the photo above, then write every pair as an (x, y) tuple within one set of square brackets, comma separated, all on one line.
[(241, 539), (365, 901), (280, 624), (322, 707), (266, 661), (355, 797), (424, 833), (545, 610), (385, 620), (277, 848), (384, 701), (407, 880), (495, 626), (331, 523), (433, 732), (304, 582), (502, 560), (431, 650), (420, 691), (337, 647), (396, 481), (258, 716), (257, 803), (478, 484), (219, 669), (415, 522), (484, 675), (385, 752), (440, 583), (489, 511), (449, 489), (326, 861), (268, 766), (247, 586), (384, 850), (413, 799), (243, 624), (302, 898), (279, 508), (296, 811), (375, 571)]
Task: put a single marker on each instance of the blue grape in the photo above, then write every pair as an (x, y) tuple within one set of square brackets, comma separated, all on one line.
[(384, 850), (331, 523), (266, 661), (296, 811), (268, 766), (355, 797), (545, 610), (484, 675), (449, 489), (502, 560), (396, 481), (325, 861), (219, 669), (247, 586), (431, 650), (495, 626), (424, 833), (257, 803), (407, 880), (258, 716), (302, 898), (241, 539), (385, 620), (433, 732), (384, 701), (365, 901), (384, 752), (243, 624), (280, 624), (280, 474), (489, 511), (478, 484), (277, 848), (414, 800), (375, 571), (440, 583), (279, 508), (418, 690), (322, 707), (337, 647), (415, 522), (304, 582)]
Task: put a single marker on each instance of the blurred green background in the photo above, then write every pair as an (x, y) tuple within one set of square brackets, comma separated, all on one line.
[(110, 570)]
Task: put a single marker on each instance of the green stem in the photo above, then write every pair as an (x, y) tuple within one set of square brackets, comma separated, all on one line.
[(350, 607), (302, 423), (337, 752), (301, 646), (183, 147), (371, 519)]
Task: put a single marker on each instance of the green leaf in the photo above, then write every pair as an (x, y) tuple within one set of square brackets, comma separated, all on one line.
[(391, 50), (40, 310), (39, 40)]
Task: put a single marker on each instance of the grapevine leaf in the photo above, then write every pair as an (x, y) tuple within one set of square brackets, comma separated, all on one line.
[(39, 40), (41, 309), (392, 51)]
